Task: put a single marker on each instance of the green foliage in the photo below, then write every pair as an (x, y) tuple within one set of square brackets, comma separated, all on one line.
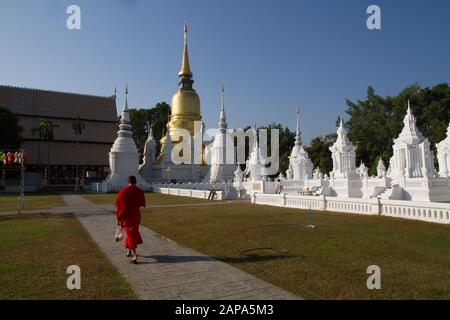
[(10, 131), (286, 143), (78, 126), (320, 154), (44, 130), (157, 117), (376, 121)]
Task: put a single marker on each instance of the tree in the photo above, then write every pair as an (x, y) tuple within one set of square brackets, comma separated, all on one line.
[(77, 128), (45, 131), (157, 116), (320, 154), (10, 131), (286, 143), (376, 121)]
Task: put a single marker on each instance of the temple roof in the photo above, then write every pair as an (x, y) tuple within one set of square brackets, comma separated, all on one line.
[(54, 104), (410, 134)]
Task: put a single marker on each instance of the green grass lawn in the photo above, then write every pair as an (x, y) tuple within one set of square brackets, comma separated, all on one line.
[(152, 199), (35, 252), (32, 202), (329, 261)]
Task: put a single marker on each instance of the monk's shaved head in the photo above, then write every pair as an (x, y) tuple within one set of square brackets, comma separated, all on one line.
[(132, 180)]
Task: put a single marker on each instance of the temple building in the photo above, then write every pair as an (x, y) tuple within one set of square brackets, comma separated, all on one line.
[(61, 155)]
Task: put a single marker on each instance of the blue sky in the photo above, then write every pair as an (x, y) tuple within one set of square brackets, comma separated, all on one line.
[(271, 55)]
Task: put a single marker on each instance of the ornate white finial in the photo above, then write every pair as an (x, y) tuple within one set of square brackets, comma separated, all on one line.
[(297, 132), (126, 97), (409, 108), (222, 90)]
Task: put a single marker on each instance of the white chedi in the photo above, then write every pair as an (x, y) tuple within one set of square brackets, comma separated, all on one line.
[(412, 165), (222, 151), (381, 169), (255, 166), (149, 157), (124, 156), (343, 155), (300, 166), (363, 171), (411, 157), (443, 155), (345, 180)]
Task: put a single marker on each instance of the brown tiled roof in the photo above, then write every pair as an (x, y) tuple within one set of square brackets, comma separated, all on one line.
[(45, 103)]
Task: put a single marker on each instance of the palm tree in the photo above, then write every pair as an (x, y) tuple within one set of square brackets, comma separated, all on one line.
[(77, 129), (44, 130)]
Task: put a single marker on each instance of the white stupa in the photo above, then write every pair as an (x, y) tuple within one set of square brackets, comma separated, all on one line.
[(443, 154), (124, 156), (412, 165), (145, 169), (300, 166), (345, 180), (255, 166), (222, 150)]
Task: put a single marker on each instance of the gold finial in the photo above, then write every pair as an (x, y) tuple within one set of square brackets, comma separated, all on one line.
[(185, 68)]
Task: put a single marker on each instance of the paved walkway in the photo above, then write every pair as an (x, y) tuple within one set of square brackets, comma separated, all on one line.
[(167, 270)]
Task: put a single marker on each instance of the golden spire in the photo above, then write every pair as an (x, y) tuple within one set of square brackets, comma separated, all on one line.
[(185, 69)]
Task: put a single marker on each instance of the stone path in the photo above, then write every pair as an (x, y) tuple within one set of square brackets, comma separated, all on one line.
[(89, 206), (167, 270)]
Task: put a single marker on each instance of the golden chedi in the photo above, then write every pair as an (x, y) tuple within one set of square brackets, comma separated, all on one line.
[(185, 102)]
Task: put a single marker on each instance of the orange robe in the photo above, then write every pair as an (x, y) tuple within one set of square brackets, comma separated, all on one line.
[(128, 203)]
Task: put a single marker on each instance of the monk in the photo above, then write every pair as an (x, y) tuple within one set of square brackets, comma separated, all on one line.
[(128, 203)]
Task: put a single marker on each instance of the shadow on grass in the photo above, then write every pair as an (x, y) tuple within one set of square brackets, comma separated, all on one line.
[(246, 259)]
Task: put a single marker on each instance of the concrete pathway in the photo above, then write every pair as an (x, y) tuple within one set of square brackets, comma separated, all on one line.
[(167, 270)]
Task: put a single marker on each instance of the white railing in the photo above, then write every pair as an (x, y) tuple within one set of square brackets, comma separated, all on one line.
[(425, 211), (201, 194), (430, 212)]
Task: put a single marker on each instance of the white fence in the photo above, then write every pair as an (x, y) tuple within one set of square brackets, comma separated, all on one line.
[(201, 194), (430, 212)]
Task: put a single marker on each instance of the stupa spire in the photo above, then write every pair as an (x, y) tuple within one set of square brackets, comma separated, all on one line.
[(410, 132), (125, 114), (298, 140), (185, 68), (126, 97), (222, 125), (222, 91)]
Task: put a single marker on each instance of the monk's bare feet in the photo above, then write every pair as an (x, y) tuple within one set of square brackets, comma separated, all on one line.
[(134, 259)]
